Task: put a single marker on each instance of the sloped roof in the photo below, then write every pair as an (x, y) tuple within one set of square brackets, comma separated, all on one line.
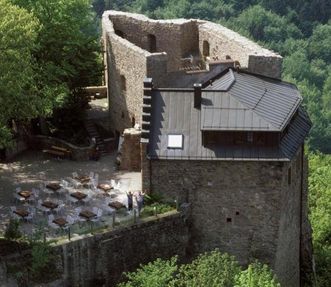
[(266, 104), (173, 112)]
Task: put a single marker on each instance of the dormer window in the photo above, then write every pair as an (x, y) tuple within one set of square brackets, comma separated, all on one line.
[(175, 141)]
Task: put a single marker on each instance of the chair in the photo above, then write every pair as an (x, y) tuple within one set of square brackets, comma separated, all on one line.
[(70, 219), (60, 207), (51, 223), (98, 212), (18, 189), (71, 199), (74, 174), (91, 175), (18, 198), (96, 178)]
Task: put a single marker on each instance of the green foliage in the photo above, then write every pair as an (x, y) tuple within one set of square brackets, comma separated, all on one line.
[(42, 258), (158, 207), (48, 50), (264, 25), (256, 275), (18, 39), (211, 269), (12, 231), (157, 274), (320, 214)]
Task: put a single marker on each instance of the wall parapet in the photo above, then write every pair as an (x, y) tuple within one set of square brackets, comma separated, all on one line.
[(103, 257), (46, 142)]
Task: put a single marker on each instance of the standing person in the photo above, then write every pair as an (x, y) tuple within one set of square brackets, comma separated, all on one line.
[(140, 201), (130, 200)]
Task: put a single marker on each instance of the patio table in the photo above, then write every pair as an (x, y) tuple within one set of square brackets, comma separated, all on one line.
[(21, 212), (87, 214), (105, 186), (116, 205), (54, 186), (83, 178), (60, 221), (25, 193), (78, 195), (50, 204)]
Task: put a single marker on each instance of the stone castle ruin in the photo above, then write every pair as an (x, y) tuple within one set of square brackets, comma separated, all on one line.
[(219, 131)]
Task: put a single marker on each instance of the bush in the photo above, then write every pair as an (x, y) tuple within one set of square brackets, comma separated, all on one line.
[(157, 274), (12, 231), (212, 269), (160, 208), (256, 275), (42, 258)]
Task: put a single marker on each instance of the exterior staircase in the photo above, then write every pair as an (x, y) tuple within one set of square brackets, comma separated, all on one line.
[(93, 133)]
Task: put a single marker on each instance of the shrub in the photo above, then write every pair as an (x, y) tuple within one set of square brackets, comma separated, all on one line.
[(157, 274), (12, 231), (160, 208), (212, 269), (256, 275)]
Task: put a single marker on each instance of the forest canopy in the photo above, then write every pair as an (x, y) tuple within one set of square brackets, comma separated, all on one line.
[(48, 50)]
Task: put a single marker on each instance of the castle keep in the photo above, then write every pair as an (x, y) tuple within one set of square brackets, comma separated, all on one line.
[(219, 130)]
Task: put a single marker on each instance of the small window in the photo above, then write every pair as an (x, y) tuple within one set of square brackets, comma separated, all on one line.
[(205, 49), (237, 212), (151, 43), (175, 141), (123, 83), (229, 219), (289, 176), (249, 137), (120, 33)]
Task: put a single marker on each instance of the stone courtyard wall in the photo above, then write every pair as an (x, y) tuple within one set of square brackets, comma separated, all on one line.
[(225, 42), (102, 258), (245, 208)]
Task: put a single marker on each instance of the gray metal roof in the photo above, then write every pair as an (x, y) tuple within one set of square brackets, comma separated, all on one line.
[(271, 102), (221, 111), (173, 112)]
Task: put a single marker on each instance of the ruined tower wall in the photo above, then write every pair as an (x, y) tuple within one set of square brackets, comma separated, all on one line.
[(174, 37), (127, 67), (247, 209), (224, 42)]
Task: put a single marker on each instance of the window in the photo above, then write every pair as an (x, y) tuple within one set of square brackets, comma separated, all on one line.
[(205, 49), (289, 176), (151, 43), (120, 33), (249, 137), (175, 141), (123, 83), (228, 219)]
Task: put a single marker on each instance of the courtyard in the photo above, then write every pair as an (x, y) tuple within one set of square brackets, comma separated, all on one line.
[(102, 187)]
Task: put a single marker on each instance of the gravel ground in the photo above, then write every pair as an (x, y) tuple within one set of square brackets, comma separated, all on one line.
[(31, 168)]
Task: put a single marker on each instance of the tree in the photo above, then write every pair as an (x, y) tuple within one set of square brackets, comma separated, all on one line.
[(18, 99), (320, 214), (212, 269), (157, 274), (256, 275), (209, 269)]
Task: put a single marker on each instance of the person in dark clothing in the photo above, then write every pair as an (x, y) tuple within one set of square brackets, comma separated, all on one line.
[(130, 200)]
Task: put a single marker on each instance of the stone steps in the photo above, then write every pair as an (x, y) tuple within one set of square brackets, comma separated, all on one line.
[(93, 133)]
